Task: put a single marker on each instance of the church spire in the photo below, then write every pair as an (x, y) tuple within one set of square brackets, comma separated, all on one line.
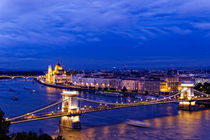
[(49, 68), (58, 62)]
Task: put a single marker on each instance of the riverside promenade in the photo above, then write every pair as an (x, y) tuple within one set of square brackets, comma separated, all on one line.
[(126, 94)]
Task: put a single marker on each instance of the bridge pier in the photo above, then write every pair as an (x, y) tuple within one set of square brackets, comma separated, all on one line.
[(70, 122), (70, 106), (187, 105)]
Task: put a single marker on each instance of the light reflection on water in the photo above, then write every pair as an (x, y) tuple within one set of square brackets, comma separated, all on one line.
[(167, 122), (186, 125)]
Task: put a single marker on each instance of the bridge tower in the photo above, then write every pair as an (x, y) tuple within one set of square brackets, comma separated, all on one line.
[(187, 96), (70, 105), (187, 91)]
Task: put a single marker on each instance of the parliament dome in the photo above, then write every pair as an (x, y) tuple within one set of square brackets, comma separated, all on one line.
[(58, 66)]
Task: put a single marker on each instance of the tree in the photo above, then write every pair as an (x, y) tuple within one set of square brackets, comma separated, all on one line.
[(106, 88), (26, 136), (203, 87), (45, 137), (91, 87), (4, 130), (59, 138), (4, 127), (199, 87), (114, 89), (135, 91), (31, 136), (124, 89)]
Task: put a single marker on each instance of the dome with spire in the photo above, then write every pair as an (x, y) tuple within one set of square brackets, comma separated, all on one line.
[(58, 66)]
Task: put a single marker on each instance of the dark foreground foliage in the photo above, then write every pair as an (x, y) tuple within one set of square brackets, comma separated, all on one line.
[(4, 127), (203, 87), (4, 130), (33, 136)]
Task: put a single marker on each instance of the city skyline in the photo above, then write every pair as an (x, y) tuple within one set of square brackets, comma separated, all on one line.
[(104, 69), (104, 34)]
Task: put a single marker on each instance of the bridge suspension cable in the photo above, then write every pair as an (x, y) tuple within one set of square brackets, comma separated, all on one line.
[(200, 92), (96, 101), (171, 96), (38, 110), (99, 102)]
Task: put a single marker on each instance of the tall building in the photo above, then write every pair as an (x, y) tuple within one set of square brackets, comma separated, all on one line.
[(58, 75)]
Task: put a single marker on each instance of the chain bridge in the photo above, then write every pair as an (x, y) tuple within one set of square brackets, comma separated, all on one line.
[(70, 112)]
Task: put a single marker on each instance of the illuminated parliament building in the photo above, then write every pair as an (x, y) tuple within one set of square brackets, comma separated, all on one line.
[(58, 75)]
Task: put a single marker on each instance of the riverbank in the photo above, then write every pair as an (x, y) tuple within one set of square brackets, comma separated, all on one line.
[(125, 94)]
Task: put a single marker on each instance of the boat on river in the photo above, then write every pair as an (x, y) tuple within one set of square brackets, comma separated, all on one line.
[(138, 123), (10, 89), (14, 98)]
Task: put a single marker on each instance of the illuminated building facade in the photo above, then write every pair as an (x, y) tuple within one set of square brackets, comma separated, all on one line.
[(151, 86), (58, 75), (164, 87), (170, 85), (96, 82), (130, 85)]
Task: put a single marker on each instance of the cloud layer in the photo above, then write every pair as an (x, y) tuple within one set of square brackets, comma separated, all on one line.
[(38, 29)]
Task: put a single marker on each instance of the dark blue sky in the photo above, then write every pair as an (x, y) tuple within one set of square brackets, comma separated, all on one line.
[(96, 34)]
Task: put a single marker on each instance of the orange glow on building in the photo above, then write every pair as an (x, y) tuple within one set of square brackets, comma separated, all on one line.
[(170, 85), (58, 75)]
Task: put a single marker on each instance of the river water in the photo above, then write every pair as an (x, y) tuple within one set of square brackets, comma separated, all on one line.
[(166, 120)]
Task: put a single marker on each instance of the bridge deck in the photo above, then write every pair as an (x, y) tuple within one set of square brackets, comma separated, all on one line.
[(28, 118), (83, 111)]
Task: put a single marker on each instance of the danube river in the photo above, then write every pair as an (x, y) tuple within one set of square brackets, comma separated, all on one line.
[(167, 121)]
